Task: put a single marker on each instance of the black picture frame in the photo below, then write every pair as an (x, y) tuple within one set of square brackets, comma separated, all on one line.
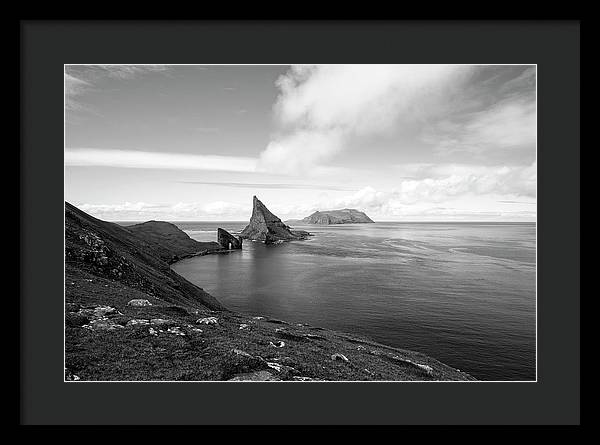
[(47, 45)]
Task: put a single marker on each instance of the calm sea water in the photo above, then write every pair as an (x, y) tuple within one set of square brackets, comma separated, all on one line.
[(463, 293)]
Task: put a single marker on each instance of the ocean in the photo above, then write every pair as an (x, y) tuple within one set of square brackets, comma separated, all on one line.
[(463, 293)]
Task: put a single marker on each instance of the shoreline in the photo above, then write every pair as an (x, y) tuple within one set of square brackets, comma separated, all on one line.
[(201, 253), (349, 336), (130, 317)]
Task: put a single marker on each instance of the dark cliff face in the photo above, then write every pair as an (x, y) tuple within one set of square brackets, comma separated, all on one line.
[(268, 228), (227, 241), (113, 252), (343, 216)]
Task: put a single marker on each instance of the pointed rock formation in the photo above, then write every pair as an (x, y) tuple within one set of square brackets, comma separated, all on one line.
[(268, 228), (227, 241)]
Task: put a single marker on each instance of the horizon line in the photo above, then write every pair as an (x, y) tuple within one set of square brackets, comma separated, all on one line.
[(296, 219)]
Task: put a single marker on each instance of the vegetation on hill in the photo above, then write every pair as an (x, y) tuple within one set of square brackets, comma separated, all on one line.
[(128, 316)]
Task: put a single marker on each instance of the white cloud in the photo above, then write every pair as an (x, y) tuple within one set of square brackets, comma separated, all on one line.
[(127, 206), (90, 73), (447, 191), (300, 151), (319, 107), (156, 160), (439, 180), (430, 111), (509, 125), (476, 190), (526, 80), (212, 209), (181, 211), (73, 87), (360, 98), (121, 71)]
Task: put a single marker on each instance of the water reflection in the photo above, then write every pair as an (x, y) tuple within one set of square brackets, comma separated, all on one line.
[(463, 293)]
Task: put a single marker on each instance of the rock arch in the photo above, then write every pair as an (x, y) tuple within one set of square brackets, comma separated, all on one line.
[(227, 241)]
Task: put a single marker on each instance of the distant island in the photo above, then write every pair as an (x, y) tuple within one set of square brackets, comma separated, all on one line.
[(342, 216)]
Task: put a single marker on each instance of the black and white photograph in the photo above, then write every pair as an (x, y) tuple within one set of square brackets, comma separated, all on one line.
[(286, 223)]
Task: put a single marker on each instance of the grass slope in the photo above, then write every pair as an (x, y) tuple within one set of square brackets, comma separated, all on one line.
[(107, 266), (170, 242)]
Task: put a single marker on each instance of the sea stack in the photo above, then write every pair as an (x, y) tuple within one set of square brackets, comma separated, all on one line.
[(227, 241), (268, 228)]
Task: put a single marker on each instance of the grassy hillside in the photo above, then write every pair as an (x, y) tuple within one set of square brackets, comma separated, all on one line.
[(169, 241), (113, 252), (180, 332)]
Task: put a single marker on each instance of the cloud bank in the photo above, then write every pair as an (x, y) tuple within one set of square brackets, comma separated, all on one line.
[(441, 192), (508, 125), (320, 107), (156, 160), (276, 186), (440, 185), (473, 130), (181, 211)]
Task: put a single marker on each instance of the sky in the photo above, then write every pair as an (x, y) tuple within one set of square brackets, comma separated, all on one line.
[(399, 142)]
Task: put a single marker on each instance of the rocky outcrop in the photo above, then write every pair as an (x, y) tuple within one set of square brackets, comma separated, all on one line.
[(139, 302), (120, 342), (105, 250), (169, 241), (268, 228), (343, 216), (227, 241), (259, 376)]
